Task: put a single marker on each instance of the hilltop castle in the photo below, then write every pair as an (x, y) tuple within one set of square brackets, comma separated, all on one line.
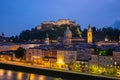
[(49, 24)]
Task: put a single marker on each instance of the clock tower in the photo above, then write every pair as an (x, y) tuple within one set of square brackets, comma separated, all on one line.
[(89, 35)]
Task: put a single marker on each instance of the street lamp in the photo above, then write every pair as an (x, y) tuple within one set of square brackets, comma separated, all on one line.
[(115, 65)]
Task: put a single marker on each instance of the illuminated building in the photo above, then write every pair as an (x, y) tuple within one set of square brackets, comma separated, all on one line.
[(107, 42), (42, 55), (101, 63), (34, 55), (46, 25), (65, 57), (8, 47), (89, 35), (7, 55), (27, 46), (93, 63), (116, 56)]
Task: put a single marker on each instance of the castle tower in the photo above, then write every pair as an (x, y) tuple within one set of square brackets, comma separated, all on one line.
[(89, 35), (47, 40)]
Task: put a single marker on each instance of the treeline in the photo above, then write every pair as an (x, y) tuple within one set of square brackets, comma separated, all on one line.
[(55, 32)]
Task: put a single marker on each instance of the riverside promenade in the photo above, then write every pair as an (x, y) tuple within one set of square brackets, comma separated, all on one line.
[(53, 72)]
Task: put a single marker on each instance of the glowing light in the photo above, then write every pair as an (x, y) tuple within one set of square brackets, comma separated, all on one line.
[(60, 61), (32, 77), (111, 59), (41, 77), (111, 66), (1, 72), (9, 73), (19, 75), (36, 57)]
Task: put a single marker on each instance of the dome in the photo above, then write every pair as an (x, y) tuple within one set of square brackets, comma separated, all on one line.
[(68, 33)]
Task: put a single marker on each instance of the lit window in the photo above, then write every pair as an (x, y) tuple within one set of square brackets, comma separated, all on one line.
[(118, 66), (111, 59), (111, 66)]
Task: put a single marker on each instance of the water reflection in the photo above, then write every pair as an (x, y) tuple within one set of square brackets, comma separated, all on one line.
[(1, 72), (41, 77), (9, 73), (32, 77), (19, 75), (12, 75)]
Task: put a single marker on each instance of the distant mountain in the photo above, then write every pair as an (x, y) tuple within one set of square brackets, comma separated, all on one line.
[(116, 24)]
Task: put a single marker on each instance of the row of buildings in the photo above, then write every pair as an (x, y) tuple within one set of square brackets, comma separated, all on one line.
[(63, 56), (71, 53), (56, 56)]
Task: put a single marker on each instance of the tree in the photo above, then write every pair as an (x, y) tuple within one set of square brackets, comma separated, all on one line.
[(20, 53)]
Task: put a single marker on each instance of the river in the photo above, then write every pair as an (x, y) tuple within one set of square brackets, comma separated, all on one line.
[(13, 75)]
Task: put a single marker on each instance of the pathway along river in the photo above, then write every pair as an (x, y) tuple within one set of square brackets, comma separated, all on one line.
[(13, 75)]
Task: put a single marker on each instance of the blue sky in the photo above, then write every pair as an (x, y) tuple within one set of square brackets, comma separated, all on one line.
[(18, 15)]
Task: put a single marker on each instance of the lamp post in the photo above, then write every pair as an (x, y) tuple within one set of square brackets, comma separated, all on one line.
[(115, 63)]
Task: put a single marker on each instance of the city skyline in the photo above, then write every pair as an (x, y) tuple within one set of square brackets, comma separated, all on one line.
[(17, 16)]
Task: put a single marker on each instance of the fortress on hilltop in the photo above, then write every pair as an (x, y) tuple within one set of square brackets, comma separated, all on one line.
[(49, 24)]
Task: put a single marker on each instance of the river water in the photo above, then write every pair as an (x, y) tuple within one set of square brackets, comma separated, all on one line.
[(13, 75)]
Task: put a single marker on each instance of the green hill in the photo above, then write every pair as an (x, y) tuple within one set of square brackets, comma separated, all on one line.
[(58, 31)]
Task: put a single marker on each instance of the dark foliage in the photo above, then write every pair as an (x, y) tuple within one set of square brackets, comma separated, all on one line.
[(20, 53), (58, 31)]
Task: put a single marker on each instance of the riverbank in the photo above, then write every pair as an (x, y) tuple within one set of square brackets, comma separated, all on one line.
[(54, 72)]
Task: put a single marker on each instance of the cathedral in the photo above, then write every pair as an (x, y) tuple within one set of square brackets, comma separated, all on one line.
[(68, 39)]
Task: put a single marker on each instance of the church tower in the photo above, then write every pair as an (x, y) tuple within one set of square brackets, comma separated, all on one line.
[(89, 35), (47, 41)]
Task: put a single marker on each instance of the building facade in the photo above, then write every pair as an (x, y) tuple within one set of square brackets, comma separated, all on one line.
[(89, 35)]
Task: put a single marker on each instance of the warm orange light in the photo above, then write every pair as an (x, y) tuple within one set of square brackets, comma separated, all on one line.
[(60, 61), (9, 73), (32, 77), (19, 75), (1, 72), (41, 77)]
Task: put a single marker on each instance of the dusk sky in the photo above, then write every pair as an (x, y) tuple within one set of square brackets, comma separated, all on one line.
[(18, 15)]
